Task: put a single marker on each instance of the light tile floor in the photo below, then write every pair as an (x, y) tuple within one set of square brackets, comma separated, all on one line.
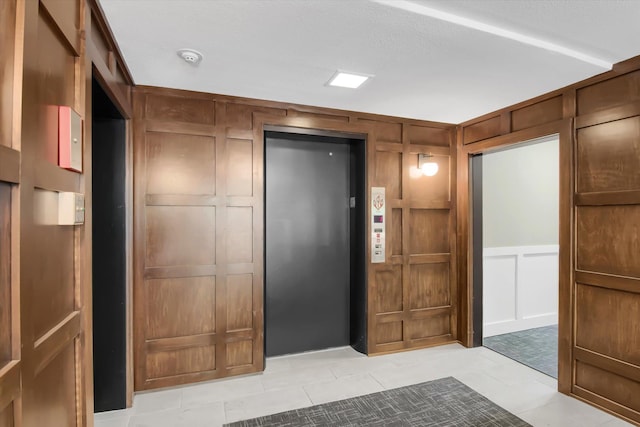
[(308, 379)]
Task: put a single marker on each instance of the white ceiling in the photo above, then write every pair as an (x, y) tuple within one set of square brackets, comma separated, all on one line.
[(425, 68)]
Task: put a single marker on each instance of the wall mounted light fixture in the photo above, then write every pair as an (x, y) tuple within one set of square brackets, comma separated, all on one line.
[(427, 165)]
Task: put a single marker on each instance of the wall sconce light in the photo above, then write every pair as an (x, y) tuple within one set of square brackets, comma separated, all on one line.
[(427, 165)]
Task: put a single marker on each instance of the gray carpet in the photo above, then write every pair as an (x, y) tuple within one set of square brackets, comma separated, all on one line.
[(536, 348), (439, 403)]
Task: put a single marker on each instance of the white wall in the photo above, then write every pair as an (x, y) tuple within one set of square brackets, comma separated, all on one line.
[(520, 196), (520, 237)]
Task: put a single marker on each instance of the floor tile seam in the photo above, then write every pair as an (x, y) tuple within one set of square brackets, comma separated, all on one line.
[(299, 384), (222, 400)]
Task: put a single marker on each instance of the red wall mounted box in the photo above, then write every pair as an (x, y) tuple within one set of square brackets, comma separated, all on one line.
[(69, 139)]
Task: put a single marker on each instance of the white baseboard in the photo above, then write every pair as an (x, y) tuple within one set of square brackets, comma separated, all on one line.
[(509, 326)]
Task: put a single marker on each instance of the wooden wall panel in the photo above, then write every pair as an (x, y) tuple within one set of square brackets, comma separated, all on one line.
[(195, 111), (58, 83), (53, 393), (384, 131), (180, 164), (395, 234), (599, 329), (180, 235), (55, 279), (435, 188), (537, 114), (433, 326), (181, 361), (607, 156), (388, 285), (7, 47), (298, 112), (240, 229), (67, 20), (180, 307), (388, 170), (240, 167), (239, 353), (6, 416), (430, 286), (239, 302), (618, 389), (482, 130), (390, 332), (240, 116), (423, 135), (608, 239), (429, 231), (609, 93)]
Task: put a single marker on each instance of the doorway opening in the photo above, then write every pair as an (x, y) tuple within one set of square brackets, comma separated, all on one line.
[(108, 164), (515, 202), (315, 267)]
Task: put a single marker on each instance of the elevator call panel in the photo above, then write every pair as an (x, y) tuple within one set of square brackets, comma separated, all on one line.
[(377, 224)]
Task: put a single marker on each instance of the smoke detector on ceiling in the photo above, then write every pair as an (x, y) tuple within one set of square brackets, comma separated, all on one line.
[(190, 56)]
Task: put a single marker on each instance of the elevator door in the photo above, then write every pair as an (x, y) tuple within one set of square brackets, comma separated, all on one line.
[(307, 245)]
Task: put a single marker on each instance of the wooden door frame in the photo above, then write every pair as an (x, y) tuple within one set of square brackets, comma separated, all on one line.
[(125, 111), (565, 130), (109, 71)]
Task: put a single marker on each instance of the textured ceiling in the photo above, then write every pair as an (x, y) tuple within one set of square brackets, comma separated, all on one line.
[(425, 68)]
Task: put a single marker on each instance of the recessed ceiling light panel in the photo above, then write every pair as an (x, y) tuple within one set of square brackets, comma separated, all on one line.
[(348, 80)]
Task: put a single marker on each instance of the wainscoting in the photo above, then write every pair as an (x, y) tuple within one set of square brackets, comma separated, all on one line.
[(520, 288)]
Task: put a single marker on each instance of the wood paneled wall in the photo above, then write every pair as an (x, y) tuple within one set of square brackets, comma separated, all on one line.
[(11, 18), (599, 125), (199, 231), (412, 296), (45, 269)]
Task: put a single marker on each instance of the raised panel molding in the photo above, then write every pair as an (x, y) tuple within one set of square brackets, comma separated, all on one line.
[(520, 288)]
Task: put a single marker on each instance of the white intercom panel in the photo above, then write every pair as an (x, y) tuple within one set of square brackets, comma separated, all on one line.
[(70, 208), (378, 220)]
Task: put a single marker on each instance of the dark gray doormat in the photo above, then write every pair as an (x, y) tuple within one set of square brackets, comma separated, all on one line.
[(537, 348), (443, 402)]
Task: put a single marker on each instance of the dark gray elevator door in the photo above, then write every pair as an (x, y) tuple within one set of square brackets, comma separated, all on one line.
[(307, 246)]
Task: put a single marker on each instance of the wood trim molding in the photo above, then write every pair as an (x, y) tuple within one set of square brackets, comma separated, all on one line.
[(105, 28), (69, 30), (286, 106), (608, 115), (609, 198), (625, 284), (48, 346), (607, 363), (9, 165), (465, 257), (9, 383)]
